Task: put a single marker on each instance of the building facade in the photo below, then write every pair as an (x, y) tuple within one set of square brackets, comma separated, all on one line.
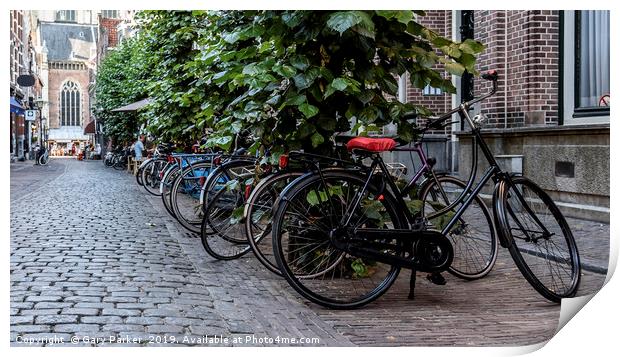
[(550, 117), (25, 85), (69, 42)]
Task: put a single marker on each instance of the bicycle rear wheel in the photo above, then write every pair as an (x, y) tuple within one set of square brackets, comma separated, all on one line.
[(541, 242), (473, 236), (312, 210)]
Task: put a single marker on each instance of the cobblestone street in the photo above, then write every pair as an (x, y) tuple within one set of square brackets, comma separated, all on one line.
[(93, 255)]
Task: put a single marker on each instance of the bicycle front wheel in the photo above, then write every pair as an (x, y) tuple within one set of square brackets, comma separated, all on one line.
[(312, 210), (541, 242), (151, 175), (258, 215), (472, 236), (165, 187), (185, 195), (223, 236)]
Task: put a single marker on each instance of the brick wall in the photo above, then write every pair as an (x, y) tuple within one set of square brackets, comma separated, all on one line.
[(441, 22), (533, 67), (109, 27), (490, 29), (57, 78), (523, 45)]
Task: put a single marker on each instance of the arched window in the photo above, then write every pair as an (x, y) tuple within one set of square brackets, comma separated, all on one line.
[(70, 108)]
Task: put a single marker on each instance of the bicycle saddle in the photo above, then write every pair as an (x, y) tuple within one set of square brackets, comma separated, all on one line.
[(371, 144)]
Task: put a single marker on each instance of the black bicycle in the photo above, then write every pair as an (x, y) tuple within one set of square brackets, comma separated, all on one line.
[(341, 237)]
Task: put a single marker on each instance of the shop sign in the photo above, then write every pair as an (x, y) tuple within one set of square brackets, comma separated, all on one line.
[(31, 115)]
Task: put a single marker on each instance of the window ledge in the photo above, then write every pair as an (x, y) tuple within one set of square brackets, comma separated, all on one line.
[(577, 129)]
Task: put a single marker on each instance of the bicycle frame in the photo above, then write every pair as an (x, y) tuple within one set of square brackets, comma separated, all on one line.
[(493, 172)]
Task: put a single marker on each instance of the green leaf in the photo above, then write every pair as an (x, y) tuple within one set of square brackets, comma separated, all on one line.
[(327, 123), (340, 84), (300, 62), (343, 20), (415, 206), (305, 129), (404, 16), (285, 71), (315, 197), (273, 100), (451, 51), (369, 114), (441, 41), (317, 139), (468, 61), (232, 185), (454, 68), (292, 18), (308, 110), (366, 96), (372, 210), (236, 215), (360, 270), (296, 100), (232, 37), (251, 69), (388, 14), (472, 47)]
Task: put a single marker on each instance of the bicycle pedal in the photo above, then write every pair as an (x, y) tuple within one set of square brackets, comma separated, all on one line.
[(436, 278)]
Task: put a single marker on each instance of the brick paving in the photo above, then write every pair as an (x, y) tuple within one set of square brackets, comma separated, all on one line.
[(99, 257)]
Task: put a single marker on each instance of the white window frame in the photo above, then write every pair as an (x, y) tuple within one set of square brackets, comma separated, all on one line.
[(73, 114), (568, 76)]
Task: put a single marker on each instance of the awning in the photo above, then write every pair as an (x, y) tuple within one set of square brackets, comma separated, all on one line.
[(133, 106), (16, 106), (71, 133), (90, 128)]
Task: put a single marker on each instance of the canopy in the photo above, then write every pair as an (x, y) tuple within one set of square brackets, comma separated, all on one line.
[(133, 106), (90, 127), (16, 106)]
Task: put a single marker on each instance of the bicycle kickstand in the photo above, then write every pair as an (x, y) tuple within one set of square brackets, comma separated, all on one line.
[(412, 284)]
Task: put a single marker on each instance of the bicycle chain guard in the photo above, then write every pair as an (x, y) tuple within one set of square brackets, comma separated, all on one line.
[(426, 250)]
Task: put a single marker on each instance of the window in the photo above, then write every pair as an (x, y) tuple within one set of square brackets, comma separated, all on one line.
[(66, 15), (428, 90), (70, 109), (586, 67), (591, 59), (109, 14)]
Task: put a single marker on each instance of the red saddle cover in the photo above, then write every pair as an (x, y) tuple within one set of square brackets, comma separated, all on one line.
[(371, 144)]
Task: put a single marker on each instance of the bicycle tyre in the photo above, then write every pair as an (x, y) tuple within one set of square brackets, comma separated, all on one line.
[(259, 241), (151, 175), (193, 225), (219, 244), (221, 175), (165, 185), (525, 250), (318, 294)]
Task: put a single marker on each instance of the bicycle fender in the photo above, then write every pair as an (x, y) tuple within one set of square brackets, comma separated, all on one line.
[(498, 211)]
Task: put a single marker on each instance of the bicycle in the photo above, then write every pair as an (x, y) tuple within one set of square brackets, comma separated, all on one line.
[(43, 156), (353, 232), (476, 246)]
